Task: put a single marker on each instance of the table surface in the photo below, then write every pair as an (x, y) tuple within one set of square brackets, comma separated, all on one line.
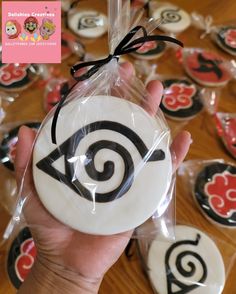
[(127, 276)]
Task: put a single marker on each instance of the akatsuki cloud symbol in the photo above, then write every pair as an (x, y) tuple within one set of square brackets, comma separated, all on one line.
[(230, 38), (178, 96), (221, 191), (69, 147)]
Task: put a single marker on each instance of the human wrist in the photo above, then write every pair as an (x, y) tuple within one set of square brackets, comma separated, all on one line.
[(46, 278)]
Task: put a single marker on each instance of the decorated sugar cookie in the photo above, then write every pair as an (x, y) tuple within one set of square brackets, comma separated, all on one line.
[(181, 99), (87, 24), (225, 37), (69, 45), (226, 127), (8, 145), (21, 257), (102, 165), (206, 68), (150, 50), (17, 77), (215, 193), (174, 19), (193, 264), (53, 92)]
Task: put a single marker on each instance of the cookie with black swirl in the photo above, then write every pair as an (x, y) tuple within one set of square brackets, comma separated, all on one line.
[(174, 19), (186, 266), (87, 24), (95, 176)]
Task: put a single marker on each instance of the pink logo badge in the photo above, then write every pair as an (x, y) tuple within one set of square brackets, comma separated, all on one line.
[(31, 32)]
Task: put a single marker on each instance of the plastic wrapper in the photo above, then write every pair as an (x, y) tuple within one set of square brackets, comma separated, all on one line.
[(210, 185), (174, 19), (223, 35), (54, 91), (207, 68), (226, 129), (103, 154), (8, 141), (195, 262)]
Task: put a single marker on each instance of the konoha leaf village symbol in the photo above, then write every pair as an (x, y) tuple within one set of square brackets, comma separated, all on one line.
[(68, 150), (194, 260)]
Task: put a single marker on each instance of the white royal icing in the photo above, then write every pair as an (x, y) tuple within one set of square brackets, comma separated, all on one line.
[(151, 179)]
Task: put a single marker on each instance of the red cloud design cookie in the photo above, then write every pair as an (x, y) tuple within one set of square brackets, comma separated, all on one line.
[(226, 127), (17, 77), (181, 99), (215, 193), (225, 38), (21, 257), (206, 68), (150, 50)]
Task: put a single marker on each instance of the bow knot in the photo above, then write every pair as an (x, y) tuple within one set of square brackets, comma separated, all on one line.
[(127, 45)]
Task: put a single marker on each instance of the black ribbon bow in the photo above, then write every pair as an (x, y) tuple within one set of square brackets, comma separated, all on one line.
[(125, 46)]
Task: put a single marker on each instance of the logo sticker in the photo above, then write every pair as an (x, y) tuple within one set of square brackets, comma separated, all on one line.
[(31, 32)]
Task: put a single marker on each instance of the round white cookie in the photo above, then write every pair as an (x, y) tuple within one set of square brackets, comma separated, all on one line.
[(88, 24), (111, 167), (193, 264), (174, 19)]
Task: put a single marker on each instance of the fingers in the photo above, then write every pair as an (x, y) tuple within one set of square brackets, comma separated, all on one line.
[(26, 138), (127, 70), (155, 91), (179, 148)]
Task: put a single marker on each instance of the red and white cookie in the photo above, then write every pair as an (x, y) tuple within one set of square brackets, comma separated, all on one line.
[(17, 77), (226, 127), (215, 193), (206, 67), (21, 256), (181, 99), (150, 50), (225, 37)]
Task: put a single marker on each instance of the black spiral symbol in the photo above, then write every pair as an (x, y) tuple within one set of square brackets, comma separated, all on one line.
[(68, 150), (185, 272), (89, 21), (170, 16)]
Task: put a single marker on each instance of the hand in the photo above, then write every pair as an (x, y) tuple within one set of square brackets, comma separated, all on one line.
[(69, 260)]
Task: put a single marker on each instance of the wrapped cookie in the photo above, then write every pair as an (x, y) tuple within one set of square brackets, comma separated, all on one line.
[(207, 68), (211, 183), (226, 129), (86, 23), (223, 35), (104, 146), (174, 19), (194, 263)]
